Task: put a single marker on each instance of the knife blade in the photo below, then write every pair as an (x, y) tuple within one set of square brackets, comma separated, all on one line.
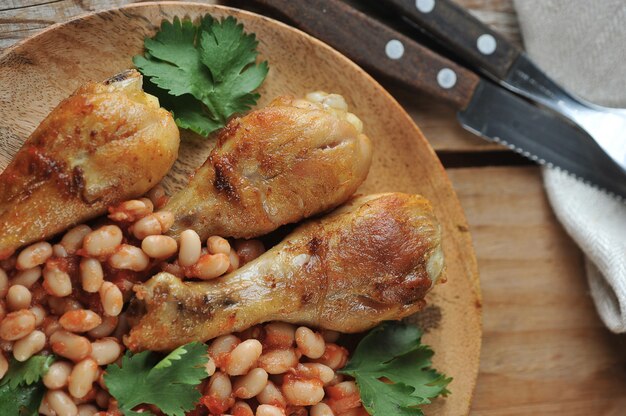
[(455, 29), (500, 116), (483, 108)]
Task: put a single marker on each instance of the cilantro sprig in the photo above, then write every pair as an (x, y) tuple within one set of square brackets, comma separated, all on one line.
[(202, 73), (169, 384), (21, 388), (392, 369)]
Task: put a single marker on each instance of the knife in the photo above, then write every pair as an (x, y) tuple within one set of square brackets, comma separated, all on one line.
[(457, 30), (484, 108)]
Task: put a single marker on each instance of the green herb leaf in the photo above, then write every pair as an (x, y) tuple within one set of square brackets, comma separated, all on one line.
[(21, 390), (394, 353), (168, 384), (203, 74)]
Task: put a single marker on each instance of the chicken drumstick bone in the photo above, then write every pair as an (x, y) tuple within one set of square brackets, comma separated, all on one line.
[(373, 259)]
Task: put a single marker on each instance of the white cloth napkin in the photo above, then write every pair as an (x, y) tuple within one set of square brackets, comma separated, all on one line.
[(582, 45)]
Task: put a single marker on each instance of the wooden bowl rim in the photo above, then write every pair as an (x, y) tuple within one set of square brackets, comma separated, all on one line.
[(472, 271)]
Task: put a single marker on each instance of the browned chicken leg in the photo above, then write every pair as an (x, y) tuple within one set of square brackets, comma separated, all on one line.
[(277, 165), (105, 143), (371, 260)]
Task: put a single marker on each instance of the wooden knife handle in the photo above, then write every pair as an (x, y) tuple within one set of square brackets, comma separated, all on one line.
[(380, 48), (456, 29)]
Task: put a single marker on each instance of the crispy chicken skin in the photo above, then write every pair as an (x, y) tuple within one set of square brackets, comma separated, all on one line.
[(276, 165), (373, 259), (105, 143)]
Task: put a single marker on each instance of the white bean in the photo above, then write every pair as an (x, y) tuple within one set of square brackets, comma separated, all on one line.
[(243, 357), (269, 410), (210, 266), (28, 346), (71, 346), (159, 246), (17, 325), (321, 409), (131, 210), (80, 320), (147, 226), (271, 395), (91, 275), (33, 255), (248, 386), (241, 408), (59, 251), (166, 219), (87, 409), (27, 277), (82, 377), (310, 343), (233, 261), (58, 375), (128, 257), (111, 299), (278, 361), (321, 371), (222, 345), (279, 335), (103, 241), (190, 248), (40, 314), (306, 392), (217, 244), (44, 408), (61, 403), (105, 351), (106, 328), (4, 283), (73, 239), (210, 367), (56, 281), (220, 386), (18, 297)]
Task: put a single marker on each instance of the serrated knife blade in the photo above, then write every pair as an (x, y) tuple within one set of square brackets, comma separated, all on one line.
[(544, 137)]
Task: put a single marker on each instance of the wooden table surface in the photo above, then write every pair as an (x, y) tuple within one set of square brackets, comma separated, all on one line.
[(545, 351)]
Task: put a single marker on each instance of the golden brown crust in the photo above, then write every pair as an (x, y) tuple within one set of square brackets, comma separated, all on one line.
[(105, 143), (369, 261), (273, 166)]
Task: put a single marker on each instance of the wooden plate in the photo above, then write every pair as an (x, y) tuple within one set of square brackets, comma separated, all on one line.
[(37, 73)]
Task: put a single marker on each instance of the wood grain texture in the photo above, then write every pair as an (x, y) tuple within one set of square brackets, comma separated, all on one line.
[(545, 351), (37, 74)]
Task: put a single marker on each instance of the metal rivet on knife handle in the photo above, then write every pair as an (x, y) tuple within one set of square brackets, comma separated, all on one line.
[(486, 44), (380, 48), (425, 6), (457, 30), (394, 49)]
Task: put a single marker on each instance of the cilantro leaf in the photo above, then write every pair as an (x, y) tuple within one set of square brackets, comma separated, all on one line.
[(392, 370), (21, 390), (168, 384), (23, 401), (203, 73)]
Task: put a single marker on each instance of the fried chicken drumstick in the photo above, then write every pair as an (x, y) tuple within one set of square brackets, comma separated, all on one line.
[(276, 165), (105, 143), (371, 260)]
